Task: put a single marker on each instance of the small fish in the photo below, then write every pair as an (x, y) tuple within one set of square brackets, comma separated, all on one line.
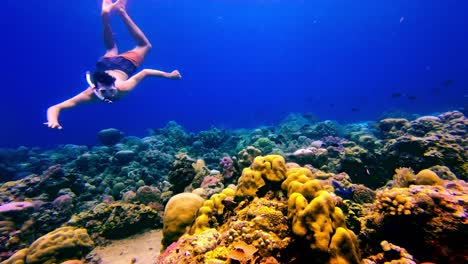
[(396, 95), (367, 170), (447, 83), (402, 19), (355, 109), (412, 97)]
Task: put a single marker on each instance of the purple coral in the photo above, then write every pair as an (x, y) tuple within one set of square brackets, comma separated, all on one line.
[(227, 166)]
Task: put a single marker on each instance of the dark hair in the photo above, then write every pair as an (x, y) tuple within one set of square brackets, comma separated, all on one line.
[(103, 78)]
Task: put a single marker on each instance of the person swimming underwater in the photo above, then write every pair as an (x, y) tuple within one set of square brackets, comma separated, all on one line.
[(113, 77)]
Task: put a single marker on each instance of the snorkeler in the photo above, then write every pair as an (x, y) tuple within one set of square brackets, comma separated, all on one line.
[(112, 78)]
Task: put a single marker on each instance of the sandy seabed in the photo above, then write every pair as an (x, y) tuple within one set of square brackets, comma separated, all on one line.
[(143, 247)]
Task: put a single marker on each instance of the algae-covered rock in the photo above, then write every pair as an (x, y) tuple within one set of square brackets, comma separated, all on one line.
[(110, 136), (117, 220)]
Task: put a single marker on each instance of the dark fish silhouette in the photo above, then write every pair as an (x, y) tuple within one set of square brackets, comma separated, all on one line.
[(412, 97), (447, 83), (396, 95), (355, 109)]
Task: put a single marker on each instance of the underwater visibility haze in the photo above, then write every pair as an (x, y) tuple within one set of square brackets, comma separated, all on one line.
[(244, 63), (301, 131)]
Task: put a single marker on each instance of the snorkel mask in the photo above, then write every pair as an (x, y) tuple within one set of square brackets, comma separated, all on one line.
[(104, 93)]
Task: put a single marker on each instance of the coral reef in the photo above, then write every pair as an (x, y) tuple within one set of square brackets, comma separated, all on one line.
[(427, 220), (268, 227), (426, 142), (400, 179)]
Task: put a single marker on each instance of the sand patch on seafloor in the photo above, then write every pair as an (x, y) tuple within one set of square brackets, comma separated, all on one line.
[(143, 247)]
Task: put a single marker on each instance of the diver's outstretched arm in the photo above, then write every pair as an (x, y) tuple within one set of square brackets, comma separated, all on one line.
[(53, 112), (131, 83)]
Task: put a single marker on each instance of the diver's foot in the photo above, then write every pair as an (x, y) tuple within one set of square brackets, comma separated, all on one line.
[(108, 6), (121, 6)]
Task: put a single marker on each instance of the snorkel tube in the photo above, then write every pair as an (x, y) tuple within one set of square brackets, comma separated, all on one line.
[(95, 90)]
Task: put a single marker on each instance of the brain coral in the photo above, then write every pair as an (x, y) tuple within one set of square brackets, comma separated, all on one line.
[(59, 245), (179, 214)]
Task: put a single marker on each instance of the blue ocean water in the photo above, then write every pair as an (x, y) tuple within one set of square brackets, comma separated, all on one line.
[(244, 63)]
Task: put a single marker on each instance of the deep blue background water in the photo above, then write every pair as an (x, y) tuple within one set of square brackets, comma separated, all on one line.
[(244, 63)]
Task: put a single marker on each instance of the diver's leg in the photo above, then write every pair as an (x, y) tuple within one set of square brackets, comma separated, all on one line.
[(109, 42), (143, 45)]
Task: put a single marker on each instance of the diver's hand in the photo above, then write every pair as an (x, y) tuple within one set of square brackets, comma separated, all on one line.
[(55, 125), (52, 118), (175, 75)]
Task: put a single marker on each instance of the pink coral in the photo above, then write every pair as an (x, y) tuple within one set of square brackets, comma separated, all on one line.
[(209, 181), (16, 206)]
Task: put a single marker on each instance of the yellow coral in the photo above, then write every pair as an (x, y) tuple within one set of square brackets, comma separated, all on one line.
[(179, 213), (394, 202), (317, 218), (308, 189), (296, 205), (267, 217), (210, 207), (428, 177), (343, 247), (65, 241), (298, 174), (272, 167), (313, 214), (249, 183)]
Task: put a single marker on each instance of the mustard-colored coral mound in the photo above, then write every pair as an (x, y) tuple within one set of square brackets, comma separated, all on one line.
[(298, 174), (314, 216), (319, 218), (270, 168), (428, 177), (249, 183), (213, 206), (344, 247), (179, 214), (59, 245)]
